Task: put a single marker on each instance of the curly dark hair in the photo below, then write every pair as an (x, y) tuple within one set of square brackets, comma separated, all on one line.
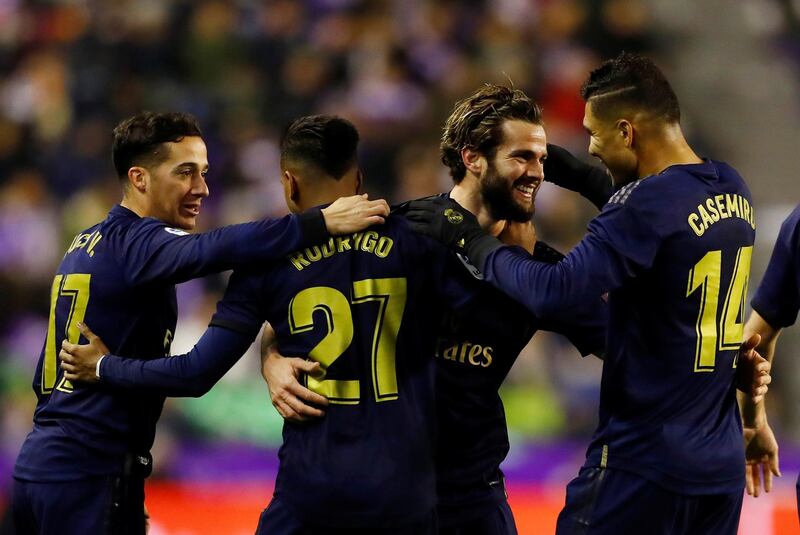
[(137, 140), (326, 142), (631, 81), (476, 123)]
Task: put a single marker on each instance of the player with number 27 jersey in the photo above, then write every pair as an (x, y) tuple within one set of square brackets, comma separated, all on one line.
[(367, 307)]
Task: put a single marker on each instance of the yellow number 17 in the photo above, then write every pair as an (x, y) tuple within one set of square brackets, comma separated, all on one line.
[(76, 287), (705, 276)]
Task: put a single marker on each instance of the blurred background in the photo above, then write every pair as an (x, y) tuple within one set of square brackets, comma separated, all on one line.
[(70, 70)]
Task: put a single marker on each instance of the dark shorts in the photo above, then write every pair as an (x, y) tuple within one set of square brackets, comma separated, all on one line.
[(602, 501), (99, 505), (491, 517), (278, 519)]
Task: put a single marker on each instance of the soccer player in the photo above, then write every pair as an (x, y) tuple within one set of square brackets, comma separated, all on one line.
[(82, 467), (495, 146), (672, 248), (775, 306), (363, 309)]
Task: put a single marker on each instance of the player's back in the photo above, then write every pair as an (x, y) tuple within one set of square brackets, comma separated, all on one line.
[(367, 307), (81, 431), (668, 407)]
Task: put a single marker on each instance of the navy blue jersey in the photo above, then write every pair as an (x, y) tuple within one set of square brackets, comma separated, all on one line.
[(674, 251), (367, 307), (474, 355), (777, 298), (118, 277)]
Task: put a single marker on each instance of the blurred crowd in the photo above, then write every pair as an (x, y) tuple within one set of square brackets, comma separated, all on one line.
[(70, 70)]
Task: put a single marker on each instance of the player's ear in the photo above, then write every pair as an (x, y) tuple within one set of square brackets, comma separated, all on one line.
[(291, 186), (359, 181), (472, 160), (625, 129), (138, 178)]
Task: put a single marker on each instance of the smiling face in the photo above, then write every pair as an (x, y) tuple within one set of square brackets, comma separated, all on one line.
[(177, 185), (610, 141), (511, 178)]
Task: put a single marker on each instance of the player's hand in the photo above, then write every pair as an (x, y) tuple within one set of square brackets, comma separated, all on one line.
[(79, 362), (565, 170), (761, 456), (752, 370), (522, 234), (444, 220), (351, 214), (453, 225), (289, 397), (146, 521)]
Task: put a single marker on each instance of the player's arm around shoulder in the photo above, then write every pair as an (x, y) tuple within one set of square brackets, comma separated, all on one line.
[(293, 401), (156, 252)]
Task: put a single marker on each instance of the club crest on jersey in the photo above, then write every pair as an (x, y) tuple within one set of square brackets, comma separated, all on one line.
[(176, 231), (454, 217)]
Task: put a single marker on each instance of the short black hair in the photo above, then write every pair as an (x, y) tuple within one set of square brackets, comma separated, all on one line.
[(137, 140), (326, 142), (631, 81), (477, 120)]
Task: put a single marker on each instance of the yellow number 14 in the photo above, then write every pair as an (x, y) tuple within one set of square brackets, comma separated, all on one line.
[(705, 276)]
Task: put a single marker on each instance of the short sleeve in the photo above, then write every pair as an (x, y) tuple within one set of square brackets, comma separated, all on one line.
[(777, 299)]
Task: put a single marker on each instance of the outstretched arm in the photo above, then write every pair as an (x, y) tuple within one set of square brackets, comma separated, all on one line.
[(620, 242), (189, 375), (155, 252), (761, 448)]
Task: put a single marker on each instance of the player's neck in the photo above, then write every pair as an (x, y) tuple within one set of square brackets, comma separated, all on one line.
[(665, 148), (310, 199), (467, 193), (135, 205)]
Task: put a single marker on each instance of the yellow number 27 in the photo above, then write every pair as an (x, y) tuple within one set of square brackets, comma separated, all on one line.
[(74, 286), (390, 296), (705, 276)]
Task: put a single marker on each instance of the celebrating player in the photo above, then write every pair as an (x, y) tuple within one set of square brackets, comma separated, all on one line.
[(360, 307), (82, 468), (775, 306), (672, 248), (495, 146)]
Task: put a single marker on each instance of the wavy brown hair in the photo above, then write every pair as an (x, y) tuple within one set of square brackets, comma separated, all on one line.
[(476, 123)]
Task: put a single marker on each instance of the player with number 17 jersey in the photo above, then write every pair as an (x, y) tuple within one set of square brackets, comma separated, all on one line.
[(119, 277)]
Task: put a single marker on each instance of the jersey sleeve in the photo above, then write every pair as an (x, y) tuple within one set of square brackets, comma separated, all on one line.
[(233, 328), (192, 374), (619, 244), (241, 308), (155, 252), (585, 328), (587, 324), (777, 298)]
